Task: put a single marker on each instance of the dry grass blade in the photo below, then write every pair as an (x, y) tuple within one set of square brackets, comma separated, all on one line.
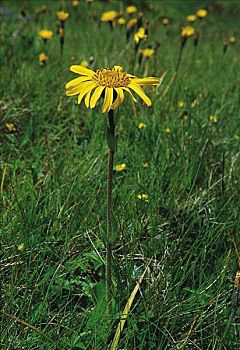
[(126, 311)]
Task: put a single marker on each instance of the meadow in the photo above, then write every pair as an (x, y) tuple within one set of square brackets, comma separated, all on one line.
[(175, 178)]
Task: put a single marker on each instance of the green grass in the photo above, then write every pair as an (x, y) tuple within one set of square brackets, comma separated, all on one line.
[(53, 197)]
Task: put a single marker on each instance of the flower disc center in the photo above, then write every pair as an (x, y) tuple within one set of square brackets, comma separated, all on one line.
[(112, 78)]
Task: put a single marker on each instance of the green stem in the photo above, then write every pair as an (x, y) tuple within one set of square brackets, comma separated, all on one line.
[(111, 133)]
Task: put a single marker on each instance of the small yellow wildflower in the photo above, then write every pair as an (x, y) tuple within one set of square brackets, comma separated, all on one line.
[(75, 3), (121, 21), (143, 197), (131, 23), (10, 126), (181, 104), (213, 118), (131, 9), (62, 16), (45, 34), (109, 16), (120, 167), (165, 21), (141, 126), (21, 247), (232, 39), (187, 31), (191, 18), (201, 13), (42, 58), (147, 52), (167, 130), (84, 63), (145, 164), (140, 35)]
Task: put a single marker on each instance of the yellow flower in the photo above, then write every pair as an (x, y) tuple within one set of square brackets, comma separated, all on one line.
[(141, 126), (140, 35), (131, 23), (107, 82), (45, 34), (131, 9), (143, 197), (62, 16), (165, 21), (21, 247), (75, 3), (120, 167), (191, 18), (201, 13), (181, 104), (232, 39), (187, 31), (109, 16), (121, 21), (42, 58), (213, 118), (147, 52), (167, 130), (145, 164), (10, 126), (84, 63)]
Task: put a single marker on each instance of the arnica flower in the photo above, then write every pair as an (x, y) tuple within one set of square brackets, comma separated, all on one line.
[(191, 18), (75, 3), (11, 127), (109, 16), (213, 118), (42, 58), (145, 164), (131, 23), (45, 34), (120, 167), (181, 104), (107, 82), (232, 39), (140, 35), (121, 21), (141, 126), (62, 16), (143, 197), (84, 63), (187, 31), (201, 13), (167, 130), (165, 21), (131, 9), (147, 52)]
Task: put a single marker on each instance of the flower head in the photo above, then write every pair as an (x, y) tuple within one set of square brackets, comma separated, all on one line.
[(140, 35), (84, 63), (120, 167), (42, 58), (75, 3), (165, 21), (232, 39), (131, 9), (62, 16), (181, 104), (109, 16), (147, 52), (143, 197), (45, 34), (213, 118), (201, 13), (131, 23), (121, 21), (10, 126), (191, 18), (141, 126), (187, 31), (108, 82)]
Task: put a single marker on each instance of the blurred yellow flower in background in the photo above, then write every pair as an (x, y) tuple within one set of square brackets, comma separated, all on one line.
[(131, 23), (141, 126), (146, 52), (213, 118), (165, 21), (10, 126), (109, 16), (42, 58), (121, 21), (62, 16), (84, 63), (131, 9), (181, 104), (45, 34), (107, 82), (191, 18), (120, 167), (75, 3), (201, 13), (145, 164), (232, 39), (140, 35), (167, 130), (143, 197), (187, 31)]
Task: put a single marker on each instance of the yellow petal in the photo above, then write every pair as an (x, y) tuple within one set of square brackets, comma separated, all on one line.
[(140, 93), (119, 99), (133, 98), (87, 98), (76, 81), (85, 91), (96, 95), (107, 99), (146, 81), (77, 89), (81, 70)]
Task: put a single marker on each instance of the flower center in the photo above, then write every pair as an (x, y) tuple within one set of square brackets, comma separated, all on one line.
[(112, 78)]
